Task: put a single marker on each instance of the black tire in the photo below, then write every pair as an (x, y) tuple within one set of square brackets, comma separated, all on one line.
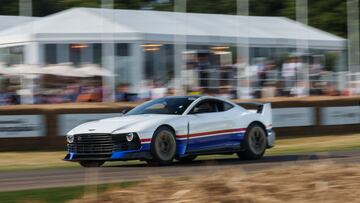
[(254, 144), (186, 159), (163, 147), (91, 164)]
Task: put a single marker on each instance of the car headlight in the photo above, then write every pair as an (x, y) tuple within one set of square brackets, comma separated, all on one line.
[(70, 138), (130, 137)]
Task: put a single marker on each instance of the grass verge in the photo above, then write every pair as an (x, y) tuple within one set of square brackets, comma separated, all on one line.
[(58, 195)]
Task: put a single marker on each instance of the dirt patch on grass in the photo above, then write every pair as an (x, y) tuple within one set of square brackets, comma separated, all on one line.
[(323, 182)]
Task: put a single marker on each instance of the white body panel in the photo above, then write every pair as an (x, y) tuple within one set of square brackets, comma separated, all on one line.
[(236, 119)]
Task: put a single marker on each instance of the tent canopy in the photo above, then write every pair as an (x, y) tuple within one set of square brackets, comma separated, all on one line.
[(7, 22), (94, 70), (91, 24)]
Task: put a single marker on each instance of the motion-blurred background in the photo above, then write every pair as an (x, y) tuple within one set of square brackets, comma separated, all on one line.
[(63, 51), (65, 62)]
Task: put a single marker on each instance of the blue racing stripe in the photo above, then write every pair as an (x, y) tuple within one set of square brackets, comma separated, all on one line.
[(122, 154), (215, 141)]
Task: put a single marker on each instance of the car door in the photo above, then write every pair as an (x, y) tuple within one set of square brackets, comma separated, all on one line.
[(208, 126), (234, 133)]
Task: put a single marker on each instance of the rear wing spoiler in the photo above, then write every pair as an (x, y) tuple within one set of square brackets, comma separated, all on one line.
[(261, 108), (258, 106)]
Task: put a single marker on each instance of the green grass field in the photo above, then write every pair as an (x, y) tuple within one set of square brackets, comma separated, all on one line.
[(34, 160), (57, 195)]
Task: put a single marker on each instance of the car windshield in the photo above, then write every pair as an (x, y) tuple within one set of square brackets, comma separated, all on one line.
[(169, 105)]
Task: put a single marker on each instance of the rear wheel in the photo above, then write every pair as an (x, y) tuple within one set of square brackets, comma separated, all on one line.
[(163, 147), (254, 143), (91, 164)]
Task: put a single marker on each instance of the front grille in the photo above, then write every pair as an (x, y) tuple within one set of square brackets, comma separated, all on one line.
[(102, 143)]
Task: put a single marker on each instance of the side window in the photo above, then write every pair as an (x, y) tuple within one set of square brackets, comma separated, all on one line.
[(223, 106), (206, 106), (227, 106)]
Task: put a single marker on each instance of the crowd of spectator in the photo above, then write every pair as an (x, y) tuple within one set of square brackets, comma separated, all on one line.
[(294, 77), (264, 78)]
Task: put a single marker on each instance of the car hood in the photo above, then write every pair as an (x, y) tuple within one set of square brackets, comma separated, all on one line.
[(131, 123)]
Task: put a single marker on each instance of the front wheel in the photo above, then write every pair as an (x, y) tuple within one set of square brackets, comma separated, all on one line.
[(254, 144), (163, 147), (91, 164)]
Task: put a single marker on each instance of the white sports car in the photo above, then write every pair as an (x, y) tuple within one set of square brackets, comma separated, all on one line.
[(179, 127)]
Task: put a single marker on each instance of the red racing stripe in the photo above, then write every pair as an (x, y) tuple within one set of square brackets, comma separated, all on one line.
[(146, 140), (211, 132)]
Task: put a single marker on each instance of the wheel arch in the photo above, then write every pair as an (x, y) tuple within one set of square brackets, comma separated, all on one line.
[(260, 124), (246, 152), (156, 160), (166, 126), (181, 145)]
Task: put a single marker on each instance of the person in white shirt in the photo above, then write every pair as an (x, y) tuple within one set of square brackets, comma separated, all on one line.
[(158, 91), (245, 74), (315, 70), (288, 72)]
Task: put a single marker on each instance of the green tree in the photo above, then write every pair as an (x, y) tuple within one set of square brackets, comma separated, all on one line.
[(9, 7), (328, 15)]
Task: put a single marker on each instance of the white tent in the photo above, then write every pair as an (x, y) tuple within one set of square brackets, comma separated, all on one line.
[(135, 27), (4, 69), (26, 69), (94, 70), (11, 21), (27, 74), (95, 25), (63, 69)]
